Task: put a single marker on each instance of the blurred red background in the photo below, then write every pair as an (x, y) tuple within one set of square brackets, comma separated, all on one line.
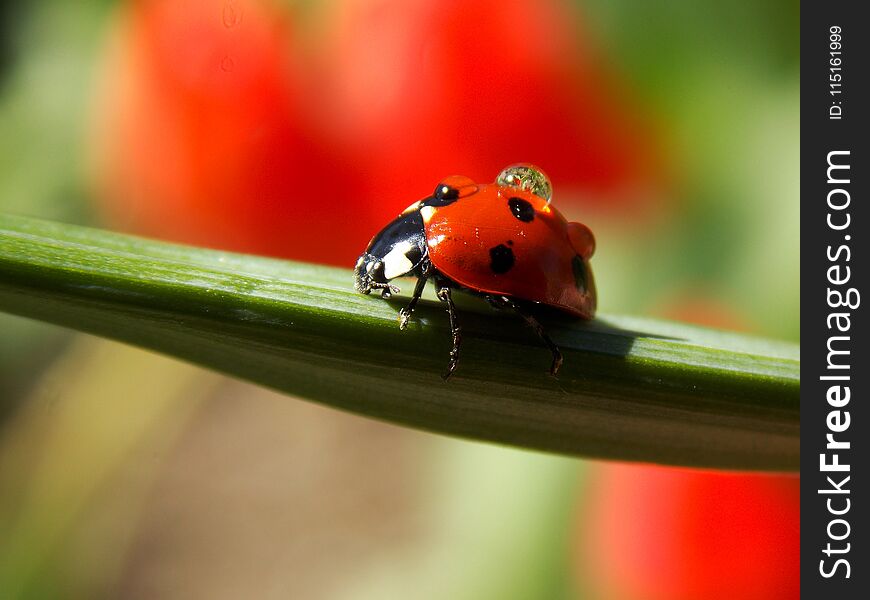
[(657, 533), (276, 130)]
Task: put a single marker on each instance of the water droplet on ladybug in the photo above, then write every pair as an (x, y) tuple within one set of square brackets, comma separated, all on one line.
[(527, 177), (454, 187), (581, 239)]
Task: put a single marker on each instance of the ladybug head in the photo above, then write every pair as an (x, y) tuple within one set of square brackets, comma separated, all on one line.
[(398, 249), (369, 273)]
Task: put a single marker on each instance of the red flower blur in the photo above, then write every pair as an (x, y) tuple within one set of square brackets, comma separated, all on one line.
[(428, 88), (253, 126), (654, 533), (658, 533), (202, 136)]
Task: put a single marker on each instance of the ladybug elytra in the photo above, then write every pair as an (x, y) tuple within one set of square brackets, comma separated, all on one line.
[(502, 241)]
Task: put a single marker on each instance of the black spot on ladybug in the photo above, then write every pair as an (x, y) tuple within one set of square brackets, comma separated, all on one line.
[(501, 259), (510, 242), (445, 192), (442, 196), (522, 209), (579, 269)]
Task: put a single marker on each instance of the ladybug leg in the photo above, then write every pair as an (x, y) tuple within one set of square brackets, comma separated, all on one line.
[(405, 313), (539, 329), (387, 290), (455, 331)]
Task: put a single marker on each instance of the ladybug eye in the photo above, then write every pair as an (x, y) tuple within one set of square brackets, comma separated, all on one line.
[(527, 177)]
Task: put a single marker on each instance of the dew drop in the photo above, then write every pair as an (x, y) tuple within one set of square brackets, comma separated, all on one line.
[(527, 177)]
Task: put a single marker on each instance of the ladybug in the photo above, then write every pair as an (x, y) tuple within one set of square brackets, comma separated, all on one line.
[(502, 241)]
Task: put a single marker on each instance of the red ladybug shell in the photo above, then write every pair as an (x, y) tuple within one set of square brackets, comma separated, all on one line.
[(504, 240)]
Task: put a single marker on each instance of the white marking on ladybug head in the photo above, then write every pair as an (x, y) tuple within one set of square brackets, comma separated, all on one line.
[(411, 208), (396, 262), (426, 212)]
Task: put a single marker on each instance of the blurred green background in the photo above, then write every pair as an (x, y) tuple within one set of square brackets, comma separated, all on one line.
[(670, 128)]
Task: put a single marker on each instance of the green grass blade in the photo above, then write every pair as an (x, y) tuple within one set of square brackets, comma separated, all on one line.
[(631, 388)]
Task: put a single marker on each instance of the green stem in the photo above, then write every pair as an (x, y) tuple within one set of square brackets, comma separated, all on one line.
[(630, 388)]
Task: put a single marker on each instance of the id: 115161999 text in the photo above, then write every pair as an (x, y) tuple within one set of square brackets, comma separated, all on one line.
[(835, 71)]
